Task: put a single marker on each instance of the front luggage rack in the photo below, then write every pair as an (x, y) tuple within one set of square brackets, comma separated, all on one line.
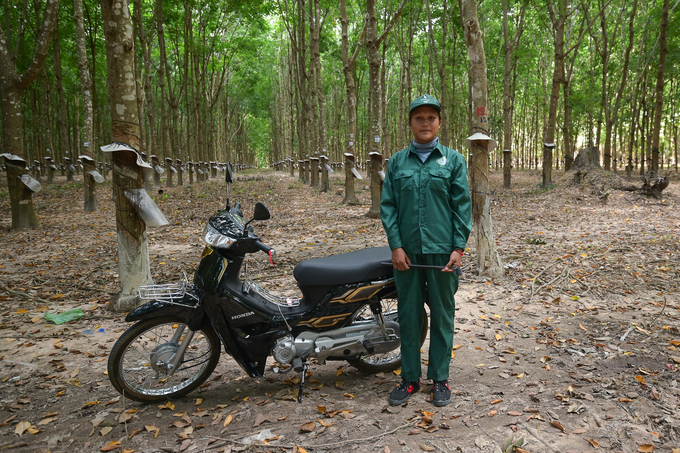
[(171, 293)]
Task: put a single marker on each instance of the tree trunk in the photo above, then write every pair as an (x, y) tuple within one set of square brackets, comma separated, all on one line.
[(90, 194), (488, 261), (321, 99), (658, 107), (440, 64), (62, 127), (348, 67), (508, 90), (12, 88), (558, 74), (133, 253), (373, 42)]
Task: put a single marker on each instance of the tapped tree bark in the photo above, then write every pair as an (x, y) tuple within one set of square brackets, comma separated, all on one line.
[(12, 88), (488, 261), (133, 252)]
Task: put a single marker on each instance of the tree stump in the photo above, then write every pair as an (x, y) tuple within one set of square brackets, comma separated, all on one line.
[(653, 185)]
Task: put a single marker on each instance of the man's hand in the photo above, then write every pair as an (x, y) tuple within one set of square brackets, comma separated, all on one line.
[(399, 259), (454, 261)]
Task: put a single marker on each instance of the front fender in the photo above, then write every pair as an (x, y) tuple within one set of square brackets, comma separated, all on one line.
[(192, 317)]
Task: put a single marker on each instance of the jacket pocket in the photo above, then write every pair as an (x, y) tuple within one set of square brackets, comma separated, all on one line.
[(439, 179), (405, 181)]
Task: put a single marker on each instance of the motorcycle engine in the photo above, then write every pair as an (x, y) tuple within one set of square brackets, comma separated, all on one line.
[(284, 351)]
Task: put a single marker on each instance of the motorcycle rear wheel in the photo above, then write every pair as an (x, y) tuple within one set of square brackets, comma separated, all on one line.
[(388, 361), (134, 374)]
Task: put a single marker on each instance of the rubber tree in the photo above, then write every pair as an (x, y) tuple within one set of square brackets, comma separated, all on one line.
[(658, 92), (509, 83), (12, 88), (90, 197), (348, 68), (133, 252), (488, 261), (373, 43)]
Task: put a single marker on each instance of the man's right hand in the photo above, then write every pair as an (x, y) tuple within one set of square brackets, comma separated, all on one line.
[(399, 259)]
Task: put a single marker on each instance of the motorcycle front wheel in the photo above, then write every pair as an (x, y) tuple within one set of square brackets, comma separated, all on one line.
[(387, 361), (139, 368)]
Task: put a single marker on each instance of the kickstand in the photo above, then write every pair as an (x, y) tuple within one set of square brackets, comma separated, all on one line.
[(298, 365)]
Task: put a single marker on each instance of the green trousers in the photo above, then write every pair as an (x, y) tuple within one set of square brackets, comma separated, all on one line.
[(411, 290)]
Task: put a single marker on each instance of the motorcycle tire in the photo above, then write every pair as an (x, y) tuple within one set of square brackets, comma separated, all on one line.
[(376, 363), (135, 365)]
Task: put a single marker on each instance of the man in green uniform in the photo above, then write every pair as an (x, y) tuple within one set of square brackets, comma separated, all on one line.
[(426, 213)]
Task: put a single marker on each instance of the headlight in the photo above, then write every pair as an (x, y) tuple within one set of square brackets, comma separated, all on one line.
[(216, 239)]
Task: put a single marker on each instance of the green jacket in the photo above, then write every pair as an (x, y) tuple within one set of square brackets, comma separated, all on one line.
[(425, 206)]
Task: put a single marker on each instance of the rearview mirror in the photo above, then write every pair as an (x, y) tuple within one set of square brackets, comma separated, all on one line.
[(228, 177), (261, 212)]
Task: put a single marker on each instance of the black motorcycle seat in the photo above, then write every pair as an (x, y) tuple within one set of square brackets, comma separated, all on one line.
[(353, 267)]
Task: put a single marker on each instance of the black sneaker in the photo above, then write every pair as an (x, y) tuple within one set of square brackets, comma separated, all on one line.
[(441, 393), (403, 392)]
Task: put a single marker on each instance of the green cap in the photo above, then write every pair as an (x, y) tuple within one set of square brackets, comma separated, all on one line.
[(425, 99)]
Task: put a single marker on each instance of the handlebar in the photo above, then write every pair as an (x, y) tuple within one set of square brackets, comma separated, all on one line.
[(266, 249)]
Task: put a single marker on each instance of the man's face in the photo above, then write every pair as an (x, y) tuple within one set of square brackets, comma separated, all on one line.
[(424, 123)]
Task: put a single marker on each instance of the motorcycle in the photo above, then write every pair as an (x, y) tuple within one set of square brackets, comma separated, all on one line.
[(347, 311)]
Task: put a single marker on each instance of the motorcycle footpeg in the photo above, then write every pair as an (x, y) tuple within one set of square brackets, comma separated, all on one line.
[(369, 347)]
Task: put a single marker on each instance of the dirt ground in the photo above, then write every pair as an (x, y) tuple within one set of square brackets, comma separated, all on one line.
[(575, 350)]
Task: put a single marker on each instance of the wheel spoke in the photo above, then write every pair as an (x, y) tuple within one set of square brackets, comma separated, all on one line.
[(143, 363)]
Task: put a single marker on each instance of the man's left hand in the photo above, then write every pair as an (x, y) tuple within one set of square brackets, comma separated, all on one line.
[(454, 261)]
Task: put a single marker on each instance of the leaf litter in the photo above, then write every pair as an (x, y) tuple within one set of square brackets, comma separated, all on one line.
[(584, 325)]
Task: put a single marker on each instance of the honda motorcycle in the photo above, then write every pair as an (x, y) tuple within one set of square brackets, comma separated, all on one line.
[(347, 311)]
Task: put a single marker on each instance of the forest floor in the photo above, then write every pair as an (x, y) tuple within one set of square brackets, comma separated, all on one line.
[(576, 349)]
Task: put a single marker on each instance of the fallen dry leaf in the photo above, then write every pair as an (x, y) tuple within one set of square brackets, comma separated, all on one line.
[(308, 427), (259, 419), (426, 447), (646, 448), (111, 446), (154, 429), (21, 427), (227, 420), (105, 430), (324, 424), (654, 394), (559, 426)]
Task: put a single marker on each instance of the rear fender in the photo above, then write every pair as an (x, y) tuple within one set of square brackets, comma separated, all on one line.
[(192, 317)]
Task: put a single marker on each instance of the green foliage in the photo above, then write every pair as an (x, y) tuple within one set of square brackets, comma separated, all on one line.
[(509, 445), (234, 77)]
